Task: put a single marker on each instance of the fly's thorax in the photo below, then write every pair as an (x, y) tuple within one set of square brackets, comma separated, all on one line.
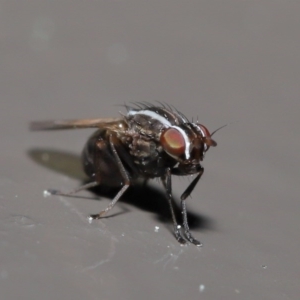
[(152, 121), (143, 123)]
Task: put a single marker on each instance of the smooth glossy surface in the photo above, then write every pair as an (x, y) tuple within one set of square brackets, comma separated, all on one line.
[(223, 61)]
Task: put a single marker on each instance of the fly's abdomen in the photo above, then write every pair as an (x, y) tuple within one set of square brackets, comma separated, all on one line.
[(99, 162)]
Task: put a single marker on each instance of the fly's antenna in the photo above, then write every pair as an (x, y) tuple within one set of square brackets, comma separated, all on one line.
[(218, 129)]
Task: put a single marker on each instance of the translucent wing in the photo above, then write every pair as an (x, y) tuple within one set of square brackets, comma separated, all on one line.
[(74, 124)]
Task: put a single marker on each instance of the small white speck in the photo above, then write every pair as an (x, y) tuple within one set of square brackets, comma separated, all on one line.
[(201, 288), (156, 228), (46, 193), (178, 226), (264, 266), (123, 234), (90, 219)]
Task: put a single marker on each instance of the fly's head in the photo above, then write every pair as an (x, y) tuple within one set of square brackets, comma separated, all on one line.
[(187, 144)]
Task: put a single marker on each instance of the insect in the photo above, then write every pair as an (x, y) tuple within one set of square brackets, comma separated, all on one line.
[(148, 142)]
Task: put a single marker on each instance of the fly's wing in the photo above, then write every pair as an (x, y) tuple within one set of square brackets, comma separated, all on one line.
[(75, 124)]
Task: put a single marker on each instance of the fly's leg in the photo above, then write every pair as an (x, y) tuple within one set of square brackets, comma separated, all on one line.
[(83, 187), (126, 181), (166, 180), (192, 185), (187, 232), (111, 204), (186, 193)]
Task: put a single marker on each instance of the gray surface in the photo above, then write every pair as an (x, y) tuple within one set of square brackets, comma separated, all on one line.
[(225, 61)]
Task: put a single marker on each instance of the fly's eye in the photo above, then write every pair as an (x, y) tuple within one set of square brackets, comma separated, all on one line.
[(204, 131), (206, 137), (173, 142)]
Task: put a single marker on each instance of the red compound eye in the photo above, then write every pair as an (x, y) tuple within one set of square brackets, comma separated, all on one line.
[(173, 142), (204, 130), (207, 137)]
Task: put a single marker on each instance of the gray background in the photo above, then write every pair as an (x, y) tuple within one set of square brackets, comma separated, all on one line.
[(235, 62)]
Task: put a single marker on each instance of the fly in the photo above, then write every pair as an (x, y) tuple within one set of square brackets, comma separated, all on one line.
[(148, 142)]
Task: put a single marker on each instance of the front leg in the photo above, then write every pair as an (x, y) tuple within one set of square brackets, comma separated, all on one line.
[(192, 185), (166, 180), (185, 194)]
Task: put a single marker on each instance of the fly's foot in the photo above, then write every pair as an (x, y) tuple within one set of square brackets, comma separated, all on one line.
[(94, 217), (178, 235), (97, 216), (51, 192), (192, 240)]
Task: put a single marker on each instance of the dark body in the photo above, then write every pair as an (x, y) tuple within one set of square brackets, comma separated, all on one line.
[(146, 157), (148, 142)]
